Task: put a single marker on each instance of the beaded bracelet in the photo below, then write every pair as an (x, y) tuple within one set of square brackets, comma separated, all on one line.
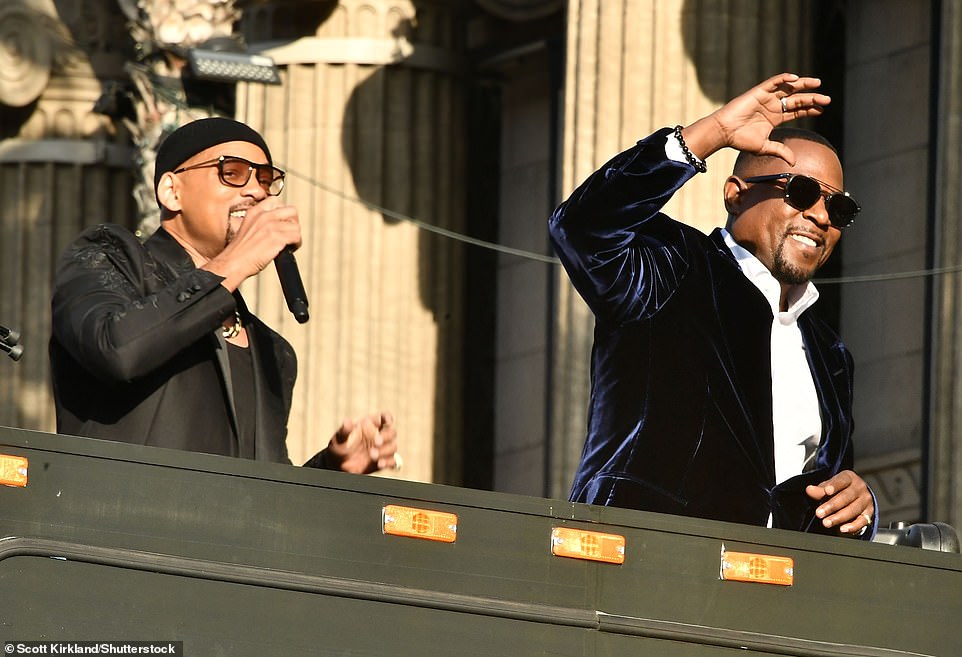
[(696, 162)]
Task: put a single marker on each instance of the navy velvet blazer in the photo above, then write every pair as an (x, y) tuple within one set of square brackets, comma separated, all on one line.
[(136, 354), (681, 408)]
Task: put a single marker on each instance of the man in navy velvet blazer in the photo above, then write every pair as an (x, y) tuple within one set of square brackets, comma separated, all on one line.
[(715, 392)]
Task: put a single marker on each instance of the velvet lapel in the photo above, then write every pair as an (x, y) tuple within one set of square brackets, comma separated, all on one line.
[(742, 348)]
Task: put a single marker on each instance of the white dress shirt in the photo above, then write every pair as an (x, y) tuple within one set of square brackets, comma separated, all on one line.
[(796, 418)]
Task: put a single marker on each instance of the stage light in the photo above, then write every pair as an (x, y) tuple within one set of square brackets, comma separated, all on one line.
[(227, 66)]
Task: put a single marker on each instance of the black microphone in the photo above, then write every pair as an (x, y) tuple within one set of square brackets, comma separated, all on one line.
[(291, 284)]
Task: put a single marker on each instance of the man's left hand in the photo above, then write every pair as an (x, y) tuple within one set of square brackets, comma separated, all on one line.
[(366, 445), (849, 504)]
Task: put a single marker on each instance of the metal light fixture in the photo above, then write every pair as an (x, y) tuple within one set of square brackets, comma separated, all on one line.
[(228, 66), (10, 343)]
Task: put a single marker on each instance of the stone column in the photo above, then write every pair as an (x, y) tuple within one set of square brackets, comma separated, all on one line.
[(945, 448), (635, 66), (62, 167), (368, 123), (885, 323)]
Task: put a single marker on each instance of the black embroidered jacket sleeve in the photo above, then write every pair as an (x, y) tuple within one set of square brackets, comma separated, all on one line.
[(120, 313)]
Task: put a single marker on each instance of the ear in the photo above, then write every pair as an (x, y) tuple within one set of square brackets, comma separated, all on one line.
[(734, 187), (168, 192)]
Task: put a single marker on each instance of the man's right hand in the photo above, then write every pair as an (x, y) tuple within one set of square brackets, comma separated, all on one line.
[(255, 239), (745, 122)]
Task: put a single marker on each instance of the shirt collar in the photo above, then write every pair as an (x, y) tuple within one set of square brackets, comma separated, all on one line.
[(761, 278)]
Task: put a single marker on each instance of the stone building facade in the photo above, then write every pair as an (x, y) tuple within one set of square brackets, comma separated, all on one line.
[(427, 141)]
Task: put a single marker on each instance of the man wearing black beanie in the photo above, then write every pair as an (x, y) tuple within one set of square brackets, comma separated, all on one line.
[(152, 342)]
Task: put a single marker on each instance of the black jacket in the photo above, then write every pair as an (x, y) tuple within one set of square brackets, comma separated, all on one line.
[(136, 354)]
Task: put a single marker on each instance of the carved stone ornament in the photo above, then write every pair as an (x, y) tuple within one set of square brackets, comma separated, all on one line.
[(164, 30), (189, 22), (521, 10), (26, 54)]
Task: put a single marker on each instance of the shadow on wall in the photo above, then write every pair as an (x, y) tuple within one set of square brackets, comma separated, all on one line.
[(403, 141), (285, 19), (733, 49), (712, 34)]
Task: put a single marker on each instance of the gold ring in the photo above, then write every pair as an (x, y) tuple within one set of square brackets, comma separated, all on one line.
[(784, 104), (867, 517), (398, 462)]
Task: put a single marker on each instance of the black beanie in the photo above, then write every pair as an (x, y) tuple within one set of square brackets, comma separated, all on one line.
[(196, 136)]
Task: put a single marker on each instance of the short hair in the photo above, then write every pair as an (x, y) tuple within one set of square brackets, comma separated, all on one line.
[(781, 134)]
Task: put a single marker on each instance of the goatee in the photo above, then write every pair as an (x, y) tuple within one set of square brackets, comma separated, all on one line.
[(785, 271)]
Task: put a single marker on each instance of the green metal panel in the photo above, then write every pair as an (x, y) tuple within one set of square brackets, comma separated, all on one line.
[(114, 541)]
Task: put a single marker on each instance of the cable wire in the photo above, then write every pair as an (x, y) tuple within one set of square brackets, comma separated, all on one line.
[(894, 276), (451, 234), (522, 253)]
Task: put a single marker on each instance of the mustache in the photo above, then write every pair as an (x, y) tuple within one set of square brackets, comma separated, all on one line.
[(230, 232)]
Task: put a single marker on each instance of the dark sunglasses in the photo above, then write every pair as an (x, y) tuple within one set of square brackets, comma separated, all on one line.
[(236, 171), (802, 192)]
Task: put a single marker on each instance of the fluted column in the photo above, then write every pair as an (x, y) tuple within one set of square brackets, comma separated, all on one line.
[(945, 452), (368, 123), (62, 167), (634, 66)]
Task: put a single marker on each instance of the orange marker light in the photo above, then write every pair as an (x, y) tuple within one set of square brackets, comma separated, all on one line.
[(13, 470), (582, 544), (759, 568), (419, 523)]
